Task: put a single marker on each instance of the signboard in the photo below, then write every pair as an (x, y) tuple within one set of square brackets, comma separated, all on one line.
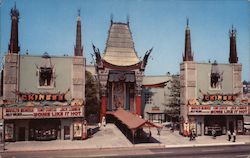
[(42, 112), (218, 110), (42, 97), (218, 97)]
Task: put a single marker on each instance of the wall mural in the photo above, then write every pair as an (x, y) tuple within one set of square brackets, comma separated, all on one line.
[(216, 77)]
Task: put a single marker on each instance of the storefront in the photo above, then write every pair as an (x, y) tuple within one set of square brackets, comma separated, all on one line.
[(204, 118)]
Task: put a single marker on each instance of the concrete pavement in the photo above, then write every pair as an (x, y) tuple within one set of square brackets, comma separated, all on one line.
[(111, 137), (173, 139)]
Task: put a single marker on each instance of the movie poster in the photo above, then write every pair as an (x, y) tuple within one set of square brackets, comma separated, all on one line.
[(9, 131), (77, 130), (240, 126)]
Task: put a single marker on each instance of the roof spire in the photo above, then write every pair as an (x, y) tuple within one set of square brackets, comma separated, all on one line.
[(233, 58), (79, 15), (111, 18), (78, 46), (188, 56), (79, 12), (13, 45), (128, 18)]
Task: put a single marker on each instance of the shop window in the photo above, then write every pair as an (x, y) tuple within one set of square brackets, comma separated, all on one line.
[(148, 98), (45, 77)]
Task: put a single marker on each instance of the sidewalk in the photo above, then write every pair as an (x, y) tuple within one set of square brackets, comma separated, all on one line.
[(111, 137), (173, 139), (107, 137)]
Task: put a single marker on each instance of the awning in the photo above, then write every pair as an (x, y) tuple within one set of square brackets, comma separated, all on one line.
[(132, 121)]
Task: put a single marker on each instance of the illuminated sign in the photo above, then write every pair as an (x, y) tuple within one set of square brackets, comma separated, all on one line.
[(211, 97), (218, 110), (42, 97), (42, 112)]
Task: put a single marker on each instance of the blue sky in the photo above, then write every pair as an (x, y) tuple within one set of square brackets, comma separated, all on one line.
[(50, 25)]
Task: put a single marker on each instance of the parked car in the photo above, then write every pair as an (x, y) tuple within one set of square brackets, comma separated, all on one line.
[(167, 124)]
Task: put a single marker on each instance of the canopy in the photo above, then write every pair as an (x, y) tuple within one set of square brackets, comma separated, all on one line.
[(132, 121)]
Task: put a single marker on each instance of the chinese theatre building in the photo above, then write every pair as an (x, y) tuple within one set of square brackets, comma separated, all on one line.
[(120, 71), (43, 96), (211, 93)]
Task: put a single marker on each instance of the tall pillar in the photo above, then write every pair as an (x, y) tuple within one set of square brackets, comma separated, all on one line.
[(11, 77), (139, 77), (138, 104), (103, 77), (103, 106)]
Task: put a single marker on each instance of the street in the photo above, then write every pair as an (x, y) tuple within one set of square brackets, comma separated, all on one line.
[(239, 151)]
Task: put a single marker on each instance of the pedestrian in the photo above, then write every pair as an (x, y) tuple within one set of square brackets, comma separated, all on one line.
[(229, 135), (149, 136), (193, 134), (213, 133), (104, 121), (234, 136), (190, 135)]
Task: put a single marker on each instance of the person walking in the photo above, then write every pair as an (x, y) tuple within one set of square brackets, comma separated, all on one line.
[(193, 134), (234, 136), (190, 135), (229, 135), (213, 133)]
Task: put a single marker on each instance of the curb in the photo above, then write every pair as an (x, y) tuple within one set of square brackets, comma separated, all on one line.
[(204, 145), (91, 148), (142, 146)]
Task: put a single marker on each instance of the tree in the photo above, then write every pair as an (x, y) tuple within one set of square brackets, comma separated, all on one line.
[(92, 100), (173, 105)]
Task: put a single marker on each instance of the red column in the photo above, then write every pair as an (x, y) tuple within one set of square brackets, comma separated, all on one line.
[(138, 105), (103, 107)]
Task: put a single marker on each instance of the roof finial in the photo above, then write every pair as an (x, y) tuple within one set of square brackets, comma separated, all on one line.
[(15, 5), (111, 18), (187, 21), (128, 18)]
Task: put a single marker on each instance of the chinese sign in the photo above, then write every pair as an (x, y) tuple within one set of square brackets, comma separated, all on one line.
[(42, 97), (211, 97)]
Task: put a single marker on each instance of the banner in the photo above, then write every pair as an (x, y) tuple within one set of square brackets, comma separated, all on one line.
[(42, 112), (218, 110)]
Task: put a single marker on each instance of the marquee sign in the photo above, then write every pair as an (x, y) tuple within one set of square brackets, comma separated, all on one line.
[(218, 97), (42, 112), (218, 110), (42, 96)]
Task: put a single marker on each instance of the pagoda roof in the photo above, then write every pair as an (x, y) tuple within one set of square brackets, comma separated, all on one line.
[(120, 48)]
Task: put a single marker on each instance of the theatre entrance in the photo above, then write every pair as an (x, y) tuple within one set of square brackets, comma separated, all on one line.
[(44, 129), (21, 134)]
